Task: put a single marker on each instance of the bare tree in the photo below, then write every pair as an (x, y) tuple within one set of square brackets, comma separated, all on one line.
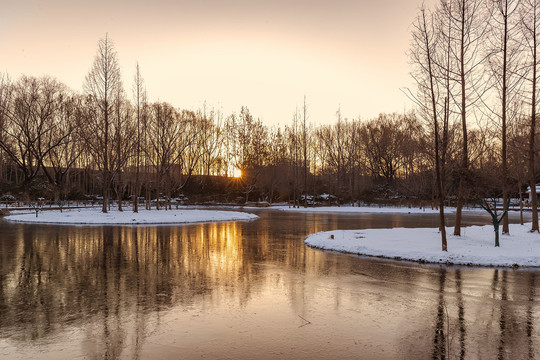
[(61, 149), (467, 31), (140, 98), (305, 149), (531, 28), (211, 136), (384, 140), (424, 44), (102, 86), (503, 61), (36, 116), (123, 136), (293, 141), (189, 147), (252, 151), (164, 132)]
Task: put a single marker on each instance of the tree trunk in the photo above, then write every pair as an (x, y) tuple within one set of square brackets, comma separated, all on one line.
[(520, 205), (105, 191), (505, 229), (465, 155), (532, 172)]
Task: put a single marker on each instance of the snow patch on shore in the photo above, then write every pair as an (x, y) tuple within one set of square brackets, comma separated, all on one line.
[(476, 246), (128, 217), (367, 209)]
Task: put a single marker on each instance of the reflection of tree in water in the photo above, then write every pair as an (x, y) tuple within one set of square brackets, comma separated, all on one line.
[(445, 324), (506, 331), (502, 319), (530, 319), (439, 339), (513, 312), (79, 275), (461, 315)]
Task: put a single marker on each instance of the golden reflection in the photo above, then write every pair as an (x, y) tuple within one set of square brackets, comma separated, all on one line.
[(92, 270)]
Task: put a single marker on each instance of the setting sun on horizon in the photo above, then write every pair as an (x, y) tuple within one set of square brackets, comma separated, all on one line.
[(236, 173)]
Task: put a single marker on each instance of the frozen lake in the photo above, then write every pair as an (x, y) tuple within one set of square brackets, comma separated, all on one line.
[(246, 290)]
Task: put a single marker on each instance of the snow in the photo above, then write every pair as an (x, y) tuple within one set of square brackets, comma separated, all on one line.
[(115, 217), (365, 209), (476, 246)]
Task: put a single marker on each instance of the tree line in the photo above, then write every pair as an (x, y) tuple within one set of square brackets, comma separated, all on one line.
[(467, 138)]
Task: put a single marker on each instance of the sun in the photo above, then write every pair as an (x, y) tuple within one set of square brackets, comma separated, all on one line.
[(237, 173)]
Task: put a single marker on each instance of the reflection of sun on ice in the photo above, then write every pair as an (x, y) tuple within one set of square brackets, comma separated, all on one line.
[(237, 173)]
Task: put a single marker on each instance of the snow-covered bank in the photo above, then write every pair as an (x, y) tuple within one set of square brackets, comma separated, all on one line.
[(369, 209), (474, 247), (114, 217)]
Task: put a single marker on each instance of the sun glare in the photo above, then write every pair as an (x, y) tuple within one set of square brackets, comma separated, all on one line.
[(237, 173)]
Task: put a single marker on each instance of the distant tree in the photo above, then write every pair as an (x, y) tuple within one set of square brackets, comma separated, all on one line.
[(274, 179), (36, 118), (124, 139), (211, 136), (252, 150), (384, 140), (305, 149), (293, 142), (341, 143), (530, 21), (190, 147), (102, 86), (139, 95), (61, 150), (164, 129)]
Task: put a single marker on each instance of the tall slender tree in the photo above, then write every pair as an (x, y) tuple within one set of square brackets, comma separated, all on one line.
[(467, 29), (102, 85), (139, 95), (531, 28), (502, 58), (424, 44), (305, 149)]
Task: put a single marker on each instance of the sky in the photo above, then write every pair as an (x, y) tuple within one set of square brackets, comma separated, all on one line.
[(266, 55)]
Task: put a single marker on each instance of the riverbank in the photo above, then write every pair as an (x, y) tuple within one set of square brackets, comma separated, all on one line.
[(474, 247), (114, 217), (375, 209)]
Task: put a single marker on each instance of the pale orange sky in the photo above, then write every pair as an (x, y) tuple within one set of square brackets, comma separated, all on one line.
[(261, 54)]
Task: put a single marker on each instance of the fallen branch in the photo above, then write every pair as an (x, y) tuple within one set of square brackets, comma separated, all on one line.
[(307, 322)]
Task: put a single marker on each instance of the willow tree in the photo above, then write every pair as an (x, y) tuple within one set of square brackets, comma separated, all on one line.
[(102, 85)]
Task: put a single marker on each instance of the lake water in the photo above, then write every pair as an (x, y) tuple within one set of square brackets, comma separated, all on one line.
[(251, 290)]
